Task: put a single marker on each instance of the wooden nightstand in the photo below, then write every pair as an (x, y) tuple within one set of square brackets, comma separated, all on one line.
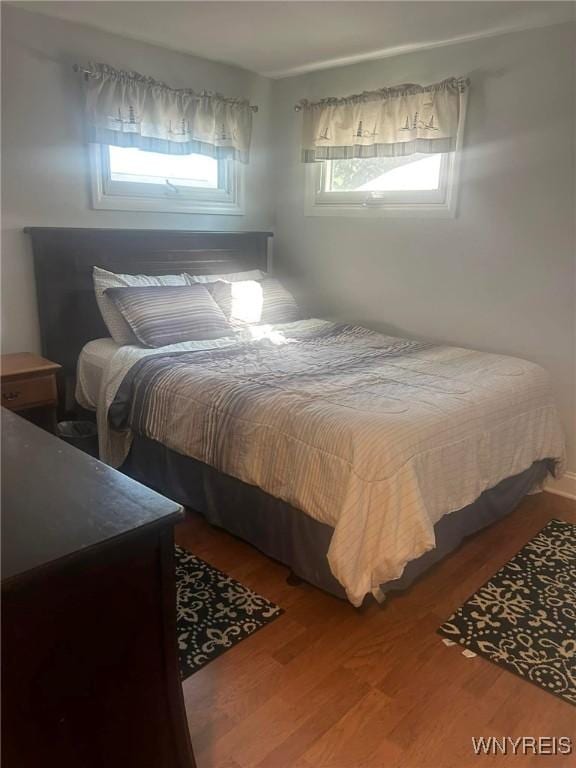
[(29, 387)]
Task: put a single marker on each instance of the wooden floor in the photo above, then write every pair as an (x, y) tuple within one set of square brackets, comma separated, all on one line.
[(328, 686)]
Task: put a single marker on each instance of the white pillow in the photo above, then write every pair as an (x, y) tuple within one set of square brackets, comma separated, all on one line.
[(231, 277), (252, 301), (118, 327)]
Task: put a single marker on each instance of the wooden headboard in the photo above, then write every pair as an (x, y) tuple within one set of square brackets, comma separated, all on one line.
[(63, 261)]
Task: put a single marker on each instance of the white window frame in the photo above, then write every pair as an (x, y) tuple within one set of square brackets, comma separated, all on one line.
[(111, 195), (441, 203)]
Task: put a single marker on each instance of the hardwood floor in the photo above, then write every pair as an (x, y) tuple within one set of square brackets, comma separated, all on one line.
[(329, 686)]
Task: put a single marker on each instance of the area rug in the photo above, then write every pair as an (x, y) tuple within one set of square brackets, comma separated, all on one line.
[(214, 612), (524, 618)]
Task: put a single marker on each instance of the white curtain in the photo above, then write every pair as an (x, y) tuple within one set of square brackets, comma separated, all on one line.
[(390, 122), (130, 110)]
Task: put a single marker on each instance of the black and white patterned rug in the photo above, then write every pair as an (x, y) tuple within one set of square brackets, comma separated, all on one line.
[(214, 612), (524, 618)]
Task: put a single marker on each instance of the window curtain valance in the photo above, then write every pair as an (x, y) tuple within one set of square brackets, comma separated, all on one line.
[(127, 109), (390, 122)]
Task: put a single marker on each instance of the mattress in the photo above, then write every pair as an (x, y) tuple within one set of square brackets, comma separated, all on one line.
[(92, 363), (290, 536), (375, 436)]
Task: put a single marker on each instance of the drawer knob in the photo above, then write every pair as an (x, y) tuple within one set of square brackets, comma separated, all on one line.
[(10, 395)]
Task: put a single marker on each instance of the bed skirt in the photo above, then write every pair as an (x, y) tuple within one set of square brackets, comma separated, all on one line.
[(289, 535)]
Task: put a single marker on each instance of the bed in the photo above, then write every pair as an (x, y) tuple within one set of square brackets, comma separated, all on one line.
[(357, 460), (91, 370)]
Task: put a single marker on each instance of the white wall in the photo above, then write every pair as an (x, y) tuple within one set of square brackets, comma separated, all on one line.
[(499, 277), (45, 178)]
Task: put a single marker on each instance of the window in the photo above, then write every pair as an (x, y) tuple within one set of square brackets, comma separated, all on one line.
[(185, 171), (135, 180), (416, 173), (418, 184)]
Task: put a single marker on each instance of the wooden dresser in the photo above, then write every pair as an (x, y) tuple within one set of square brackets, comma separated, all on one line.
[(89, 659)]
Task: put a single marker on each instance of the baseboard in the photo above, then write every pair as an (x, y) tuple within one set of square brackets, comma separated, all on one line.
[(563, 486)]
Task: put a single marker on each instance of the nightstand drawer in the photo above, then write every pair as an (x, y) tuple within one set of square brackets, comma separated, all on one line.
[(25, 393)]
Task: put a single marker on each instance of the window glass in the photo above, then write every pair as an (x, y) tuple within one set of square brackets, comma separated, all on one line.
[(385, 174), (138, 166)]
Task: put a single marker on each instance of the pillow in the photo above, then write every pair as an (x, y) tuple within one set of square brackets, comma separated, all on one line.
[(231, 277), (167, 314), (118, 327), (266, 301)]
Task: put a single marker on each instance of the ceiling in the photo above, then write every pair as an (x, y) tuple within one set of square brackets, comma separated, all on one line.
[(278, 39)]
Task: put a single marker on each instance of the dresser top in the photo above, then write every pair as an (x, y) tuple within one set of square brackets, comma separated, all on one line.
[(58, 503), (25, 363)]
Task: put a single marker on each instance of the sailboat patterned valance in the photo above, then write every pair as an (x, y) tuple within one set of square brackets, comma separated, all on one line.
[(127, 109), (390, 122)]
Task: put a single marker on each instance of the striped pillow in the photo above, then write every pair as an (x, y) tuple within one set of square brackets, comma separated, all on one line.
[(161, 315), (265, 301), (103, 279)]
